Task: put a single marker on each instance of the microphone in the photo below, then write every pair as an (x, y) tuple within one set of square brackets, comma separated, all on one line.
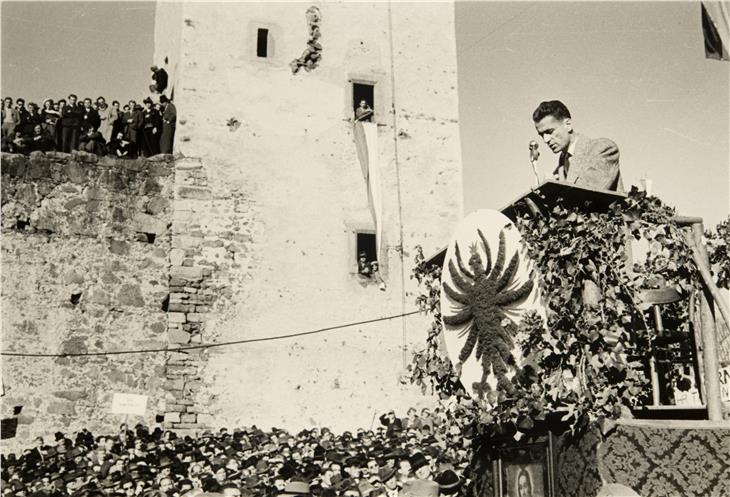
[(534, 155)]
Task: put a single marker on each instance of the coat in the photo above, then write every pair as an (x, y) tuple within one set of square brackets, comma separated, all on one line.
[(593, 164)]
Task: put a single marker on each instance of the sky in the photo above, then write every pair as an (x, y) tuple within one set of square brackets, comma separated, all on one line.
[(634, 72)]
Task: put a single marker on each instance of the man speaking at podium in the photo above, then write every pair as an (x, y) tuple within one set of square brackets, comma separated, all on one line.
[(587, 162)]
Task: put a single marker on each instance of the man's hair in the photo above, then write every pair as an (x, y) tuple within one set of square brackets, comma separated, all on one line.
[(73, 95), (554, 108), (20, 100)]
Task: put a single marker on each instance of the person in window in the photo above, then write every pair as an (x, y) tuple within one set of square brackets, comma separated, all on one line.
[(375, 272), (364, 112), (363, 266)]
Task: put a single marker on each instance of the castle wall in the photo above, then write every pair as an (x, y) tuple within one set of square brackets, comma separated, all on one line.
[(283, 144), (80, 273)]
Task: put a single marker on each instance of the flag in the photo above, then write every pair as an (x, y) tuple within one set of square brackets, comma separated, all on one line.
[(716, 29), (366, 144)]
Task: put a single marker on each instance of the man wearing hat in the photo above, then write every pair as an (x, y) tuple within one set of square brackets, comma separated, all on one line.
[(387, 476), (420, 466), (169, 119), (449, 482)]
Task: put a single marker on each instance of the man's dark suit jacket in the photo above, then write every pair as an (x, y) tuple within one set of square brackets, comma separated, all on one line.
[(594, 164)]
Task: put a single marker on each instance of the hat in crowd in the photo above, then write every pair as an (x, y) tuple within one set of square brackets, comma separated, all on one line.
[(356, 460), (420, 488), (295, 487), (449, 482), (147, 100), (417, 460), (385, 473)]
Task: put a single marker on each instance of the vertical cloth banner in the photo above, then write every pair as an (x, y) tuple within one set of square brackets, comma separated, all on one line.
[(366, 144), (716, 29)]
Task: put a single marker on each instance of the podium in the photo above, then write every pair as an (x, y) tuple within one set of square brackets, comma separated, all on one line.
[(543, 197)]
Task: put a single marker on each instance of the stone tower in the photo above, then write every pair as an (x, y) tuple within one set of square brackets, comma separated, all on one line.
[(272, 207)]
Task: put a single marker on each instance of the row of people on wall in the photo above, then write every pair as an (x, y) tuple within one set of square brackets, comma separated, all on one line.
[(68, 124)]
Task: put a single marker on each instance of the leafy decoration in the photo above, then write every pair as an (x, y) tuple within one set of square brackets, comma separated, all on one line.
[(587, 359)]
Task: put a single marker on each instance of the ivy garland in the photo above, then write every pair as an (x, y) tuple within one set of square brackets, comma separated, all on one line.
[(587, 358)]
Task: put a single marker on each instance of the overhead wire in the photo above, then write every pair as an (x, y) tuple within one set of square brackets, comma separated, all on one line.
[(208, 345)]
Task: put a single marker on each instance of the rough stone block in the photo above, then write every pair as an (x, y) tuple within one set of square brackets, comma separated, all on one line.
[(176, 317), (118, 247), (85, 157), (75, 172), (172, 417), (13, 164), (176, 256), (37, 169), (148, 224), (157, 205), (194, 192), (62, 407), (178, 336), (130, 294), (174, 384), (71, 395), (195, 317), (187, 273), (206, 419), (189, 417)]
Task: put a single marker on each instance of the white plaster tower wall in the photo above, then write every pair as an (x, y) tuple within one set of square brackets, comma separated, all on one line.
[(293, 159)]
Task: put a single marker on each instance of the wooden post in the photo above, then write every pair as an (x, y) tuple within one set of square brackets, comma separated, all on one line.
[(709, 337)]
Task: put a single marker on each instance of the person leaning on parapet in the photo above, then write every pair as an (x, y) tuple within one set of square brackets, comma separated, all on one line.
[(592, 163), (364, 112)]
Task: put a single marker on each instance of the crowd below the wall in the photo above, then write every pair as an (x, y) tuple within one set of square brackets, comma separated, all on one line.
[(425, 454), (67, 124)]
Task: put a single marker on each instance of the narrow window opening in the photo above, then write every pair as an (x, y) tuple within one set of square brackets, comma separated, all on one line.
[(75, 298), (363, 101), (21, 224), (262, 43), (166, 304)]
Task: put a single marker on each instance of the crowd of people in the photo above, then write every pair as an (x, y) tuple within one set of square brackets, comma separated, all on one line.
[(422, 455), (96, 127)]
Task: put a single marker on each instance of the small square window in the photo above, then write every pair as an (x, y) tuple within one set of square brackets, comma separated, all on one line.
[(262, 42), (366, 253), (363, 101)]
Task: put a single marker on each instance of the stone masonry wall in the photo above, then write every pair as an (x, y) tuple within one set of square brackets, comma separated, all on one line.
[(211, 232), (85, 268)]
